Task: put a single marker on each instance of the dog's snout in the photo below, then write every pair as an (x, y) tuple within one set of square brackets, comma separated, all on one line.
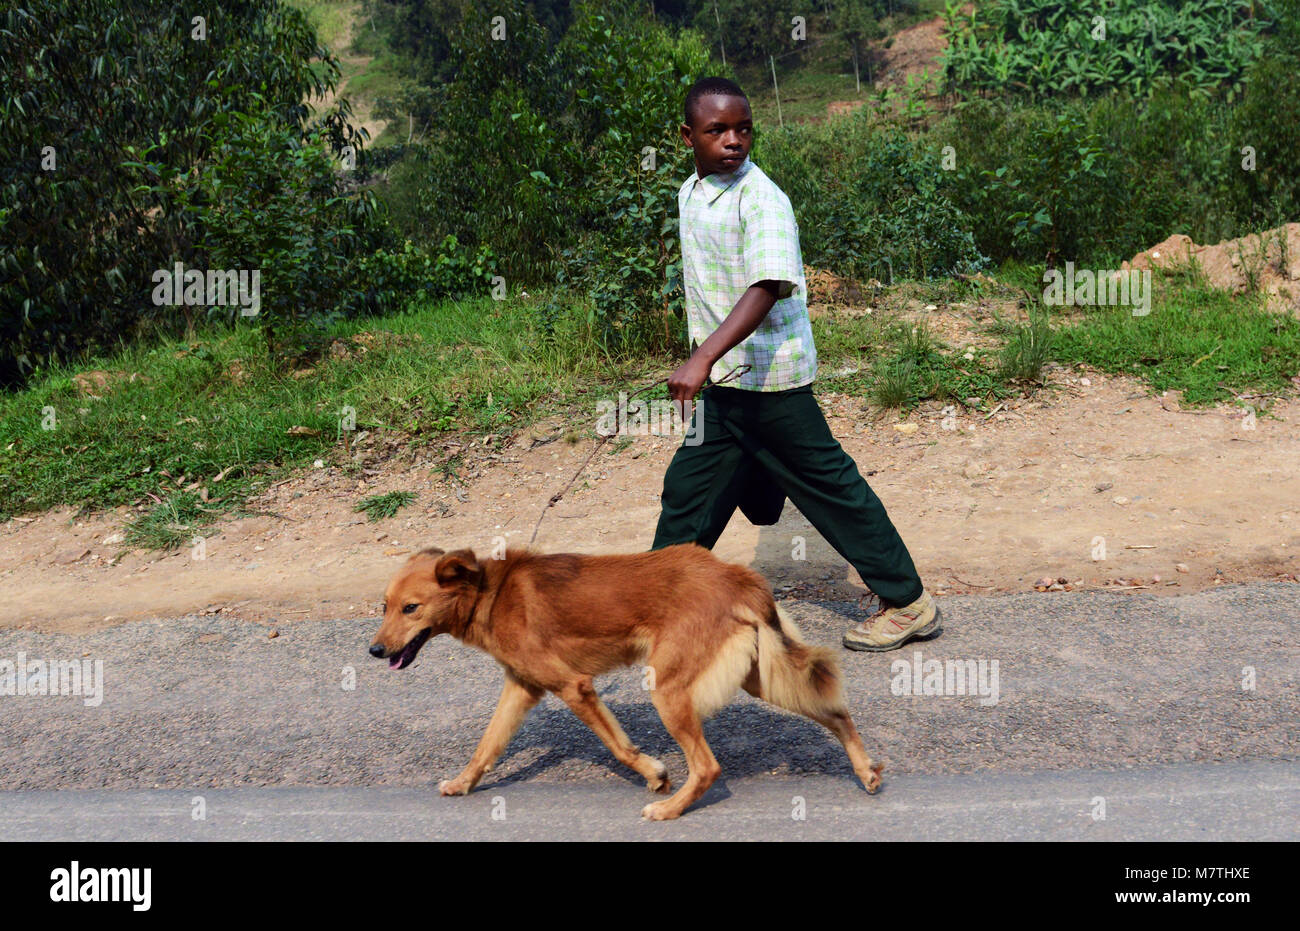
[(377, 650)]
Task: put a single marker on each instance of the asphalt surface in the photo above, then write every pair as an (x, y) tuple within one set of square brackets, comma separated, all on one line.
[(1181, 713), (1179, 802)]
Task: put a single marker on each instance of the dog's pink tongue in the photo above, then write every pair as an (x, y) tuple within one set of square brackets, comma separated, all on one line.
[(395, 661)]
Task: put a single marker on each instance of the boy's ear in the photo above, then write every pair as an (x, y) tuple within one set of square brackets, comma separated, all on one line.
[(456, 568)]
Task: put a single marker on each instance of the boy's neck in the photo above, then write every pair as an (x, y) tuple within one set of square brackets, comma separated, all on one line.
[(701, 174)]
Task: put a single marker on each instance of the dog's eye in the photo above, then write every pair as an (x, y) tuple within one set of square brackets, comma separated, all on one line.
[(409, 608)]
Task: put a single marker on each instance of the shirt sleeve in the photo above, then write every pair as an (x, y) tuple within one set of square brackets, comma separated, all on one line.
[(771, 240)]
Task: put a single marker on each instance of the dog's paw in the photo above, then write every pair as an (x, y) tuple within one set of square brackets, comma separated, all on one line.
[(660, 781), (873, 782), (455, 786), (660, 811)]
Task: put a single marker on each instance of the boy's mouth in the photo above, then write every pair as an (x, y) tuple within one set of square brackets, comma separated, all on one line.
[(731, 161)]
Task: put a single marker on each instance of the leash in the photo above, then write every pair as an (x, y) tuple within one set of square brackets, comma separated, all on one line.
[(601, 441)]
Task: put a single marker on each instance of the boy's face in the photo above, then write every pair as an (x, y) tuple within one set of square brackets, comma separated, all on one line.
[(721, 133)]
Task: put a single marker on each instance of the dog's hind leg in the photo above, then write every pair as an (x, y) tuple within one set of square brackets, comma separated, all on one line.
[(838, 722), (516, 700), (677, 709), (580, 695)]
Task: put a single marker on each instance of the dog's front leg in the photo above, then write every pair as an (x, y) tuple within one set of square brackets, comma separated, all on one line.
[(516, 700)]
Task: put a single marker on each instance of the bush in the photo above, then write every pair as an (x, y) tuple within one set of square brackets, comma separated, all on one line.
[(870, 202), (393, 278), (112, 110), (1065, 47)]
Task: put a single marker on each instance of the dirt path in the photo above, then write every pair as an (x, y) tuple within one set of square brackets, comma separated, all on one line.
[(906, 54), (351, 64), (997, 503)]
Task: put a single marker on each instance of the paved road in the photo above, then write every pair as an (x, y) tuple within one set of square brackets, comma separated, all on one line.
[(1132, 698), (1178, 802)]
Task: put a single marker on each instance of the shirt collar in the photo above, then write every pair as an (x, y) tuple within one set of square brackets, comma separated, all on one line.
[(716, 183)]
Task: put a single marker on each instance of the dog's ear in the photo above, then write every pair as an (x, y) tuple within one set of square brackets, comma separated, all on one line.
[(457, 567)]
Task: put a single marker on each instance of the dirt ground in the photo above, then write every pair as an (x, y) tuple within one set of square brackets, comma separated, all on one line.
[(362, 108), (1093, 483), (906, 54), (1268, 262)]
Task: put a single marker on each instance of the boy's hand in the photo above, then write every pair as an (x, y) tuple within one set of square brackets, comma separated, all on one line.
[(685, 383)]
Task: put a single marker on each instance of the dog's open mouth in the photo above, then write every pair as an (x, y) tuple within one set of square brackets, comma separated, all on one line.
[(405, 658)]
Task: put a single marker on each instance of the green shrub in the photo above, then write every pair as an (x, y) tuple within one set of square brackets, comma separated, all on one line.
[(113, 110), (870, 203), (1050, 48)]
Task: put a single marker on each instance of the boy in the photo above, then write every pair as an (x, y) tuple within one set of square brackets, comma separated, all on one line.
[(763, 437)]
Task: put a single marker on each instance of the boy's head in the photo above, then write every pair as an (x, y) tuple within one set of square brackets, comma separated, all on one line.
[(719, 126)]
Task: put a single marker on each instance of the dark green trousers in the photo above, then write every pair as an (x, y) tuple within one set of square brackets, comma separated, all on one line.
[(758, 448)]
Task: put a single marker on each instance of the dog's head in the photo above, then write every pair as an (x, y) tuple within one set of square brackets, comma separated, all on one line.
[(435, 592)]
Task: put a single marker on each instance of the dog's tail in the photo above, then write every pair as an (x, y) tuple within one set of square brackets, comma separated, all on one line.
[(794, 675)]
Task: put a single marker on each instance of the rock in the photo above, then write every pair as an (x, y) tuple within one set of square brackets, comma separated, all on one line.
[(907, 429), (272, 635), (1103, 486), (1121, 500), (1182, 567), (68, 557)]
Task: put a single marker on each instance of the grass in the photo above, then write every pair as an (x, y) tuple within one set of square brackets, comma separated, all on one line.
[(379, 507), (209, 416), (1200, 340), (330, 18), (206, 423)]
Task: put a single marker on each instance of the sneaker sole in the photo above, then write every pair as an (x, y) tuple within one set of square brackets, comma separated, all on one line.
[(932, 629)]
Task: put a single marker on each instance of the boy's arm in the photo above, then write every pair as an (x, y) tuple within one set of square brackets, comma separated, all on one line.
[(743, 320)]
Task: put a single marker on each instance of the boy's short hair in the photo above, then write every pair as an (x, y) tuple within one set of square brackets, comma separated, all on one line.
[(710, 87)]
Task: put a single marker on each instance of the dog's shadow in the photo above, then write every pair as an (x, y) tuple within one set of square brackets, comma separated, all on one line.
[(747, 737)]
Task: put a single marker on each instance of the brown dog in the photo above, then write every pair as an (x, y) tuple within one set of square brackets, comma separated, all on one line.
[(702, 627)]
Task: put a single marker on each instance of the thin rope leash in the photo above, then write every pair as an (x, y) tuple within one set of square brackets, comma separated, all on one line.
[(601, 441)]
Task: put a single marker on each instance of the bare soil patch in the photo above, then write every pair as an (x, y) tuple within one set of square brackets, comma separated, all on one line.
[(1022, 496), (1267, 262)]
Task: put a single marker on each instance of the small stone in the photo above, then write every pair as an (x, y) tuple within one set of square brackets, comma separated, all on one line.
[(318, 464), (1103, 486), (931, 306), (907, 429), (1121, 500), (1155, 578), (1182, 567), (1086, 382), (272, 635), (68, 557)]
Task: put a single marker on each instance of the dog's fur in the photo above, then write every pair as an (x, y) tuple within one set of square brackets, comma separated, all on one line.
[(704, 628)]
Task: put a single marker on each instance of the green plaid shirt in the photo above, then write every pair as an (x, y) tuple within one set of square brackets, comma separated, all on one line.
[(738, 229)]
